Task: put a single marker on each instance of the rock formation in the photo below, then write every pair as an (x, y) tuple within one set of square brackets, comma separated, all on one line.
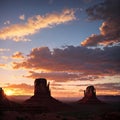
[(5, 103), (3, 99), (41, 88), (42, 98), (90, 96)]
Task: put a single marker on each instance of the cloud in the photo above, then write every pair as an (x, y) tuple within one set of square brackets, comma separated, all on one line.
[(22, 17), (74, 59), (26, 89), (57, 76), (108, 88), (4, 50), (17, 39), (6, 66), (4, 57), (7, 22), (109, 34), (18, 32), (2, 65), (61, 76), (17, 55), (104, 86), (59, 89), (110, 28), (92, 40), (104, 10), (101, 89)]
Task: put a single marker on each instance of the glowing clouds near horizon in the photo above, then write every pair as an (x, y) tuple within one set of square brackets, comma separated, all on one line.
[(64, 89), (74, 64), (9, 92), (18, 89)]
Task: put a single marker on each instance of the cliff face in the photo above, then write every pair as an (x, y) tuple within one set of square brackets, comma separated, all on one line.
[(90, 96)]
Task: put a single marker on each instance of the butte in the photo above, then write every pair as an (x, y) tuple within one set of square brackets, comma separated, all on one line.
[(42, 99), (90, 96)]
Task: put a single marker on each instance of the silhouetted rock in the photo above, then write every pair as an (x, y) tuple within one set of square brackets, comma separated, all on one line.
[(90, 96), (42, 99), (41, 88), (3, 99), (5, 103)]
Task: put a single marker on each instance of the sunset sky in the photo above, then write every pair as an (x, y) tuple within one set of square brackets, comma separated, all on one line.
[(71, 43)]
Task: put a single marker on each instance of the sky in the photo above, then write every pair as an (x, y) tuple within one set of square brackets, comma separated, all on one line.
[(71, 43)]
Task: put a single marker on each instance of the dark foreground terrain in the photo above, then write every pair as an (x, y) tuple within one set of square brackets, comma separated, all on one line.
[(107, 111)]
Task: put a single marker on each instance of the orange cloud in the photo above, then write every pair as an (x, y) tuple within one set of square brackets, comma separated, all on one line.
[(26, 89), (93, 40), (66, 90), (17, 55), (22, 17), (18, 32), (6, 66), (2, 65), (20, 89)]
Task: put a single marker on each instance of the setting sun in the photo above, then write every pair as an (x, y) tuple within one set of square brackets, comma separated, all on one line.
[(9, 92)]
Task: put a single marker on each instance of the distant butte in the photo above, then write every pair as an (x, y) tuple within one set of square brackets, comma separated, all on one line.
[(42, 98), (90, 96)]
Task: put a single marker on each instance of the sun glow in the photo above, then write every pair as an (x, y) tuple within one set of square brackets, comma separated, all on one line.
[(9, 92)]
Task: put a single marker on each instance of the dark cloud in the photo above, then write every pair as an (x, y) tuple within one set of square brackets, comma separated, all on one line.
[(57, 76), (104, 10), (62, 76), (74, 59), (110, 28)]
